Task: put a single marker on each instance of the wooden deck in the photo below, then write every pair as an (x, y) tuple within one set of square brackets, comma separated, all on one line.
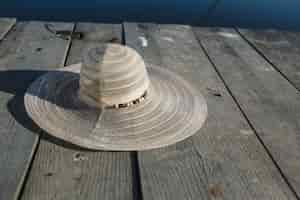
[(249, 147)]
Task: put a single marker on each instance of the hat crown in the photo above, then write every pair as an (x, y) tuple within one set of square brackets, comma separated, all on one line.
[(112, 74)]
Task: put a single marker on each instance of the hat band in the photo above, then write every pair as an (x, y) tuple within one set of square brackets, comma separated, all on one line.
[(131, 103)]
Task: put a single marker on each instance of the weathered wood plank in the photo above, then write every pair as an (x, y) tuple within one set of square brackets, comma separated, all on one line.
[(27, 50), (5, 26), (224, 160), (280, 48), (61, 171), (93, 33), (269, 101)]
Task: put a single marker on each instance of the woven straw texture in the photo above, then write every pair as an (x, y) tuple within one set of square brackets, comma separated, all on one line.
[(84, 109)]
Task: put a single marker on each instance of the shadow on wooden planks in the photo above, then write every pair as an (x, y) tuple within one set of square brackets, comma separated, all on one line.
[(16, 82)]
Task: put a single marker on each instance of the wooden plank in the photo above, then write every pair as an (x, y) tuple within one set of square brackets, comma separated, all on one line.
[(280, 48), (27, 50), (224, 160), (5, 26), (62, 171), (271, 104)]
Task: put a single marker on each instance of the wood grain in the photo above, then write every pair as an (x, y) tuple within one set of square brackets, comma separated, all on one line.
[(224, 160), (269, 101), (280, 48), (27, 50), (64, 171), (6, 25)]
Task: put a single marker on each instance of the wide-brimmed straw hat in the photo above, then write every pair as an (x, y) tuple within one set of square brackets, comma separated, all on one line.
[(114, 101)]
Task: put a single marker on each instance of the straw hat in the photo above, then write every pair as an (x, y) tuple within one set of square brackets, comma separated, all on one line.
[(111, 102)]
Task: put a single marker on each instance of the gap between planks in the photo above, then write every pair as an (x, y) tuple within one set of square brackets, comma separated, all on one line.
[(200, 166), (112, 175), (21, 49), (12, 23), (266, 58), (35, 147), (134, 155), (244, 114), (66, 53), (270, 102)]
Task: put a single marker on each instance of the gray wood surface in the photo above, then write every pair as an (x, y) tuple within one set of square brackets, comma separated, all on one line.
[(281, 48), (224, 160), (269, 101), (24, 52), (5, 26), (63, 171)]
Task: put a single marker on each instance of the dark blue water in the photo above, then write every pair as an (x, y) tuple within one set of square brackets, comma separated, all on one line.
[(283, 14)]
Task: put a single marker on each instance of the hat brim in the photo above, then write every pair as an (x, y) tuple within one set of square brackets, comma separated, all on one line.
[(172, 111)]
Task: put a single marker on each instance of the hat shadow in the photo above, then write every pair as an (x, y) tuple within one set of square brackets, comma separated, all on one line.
[(16, 82)]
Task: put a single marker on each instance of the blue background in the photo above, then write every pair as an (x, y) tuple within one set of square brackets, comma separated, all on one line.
[(284, 14)]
